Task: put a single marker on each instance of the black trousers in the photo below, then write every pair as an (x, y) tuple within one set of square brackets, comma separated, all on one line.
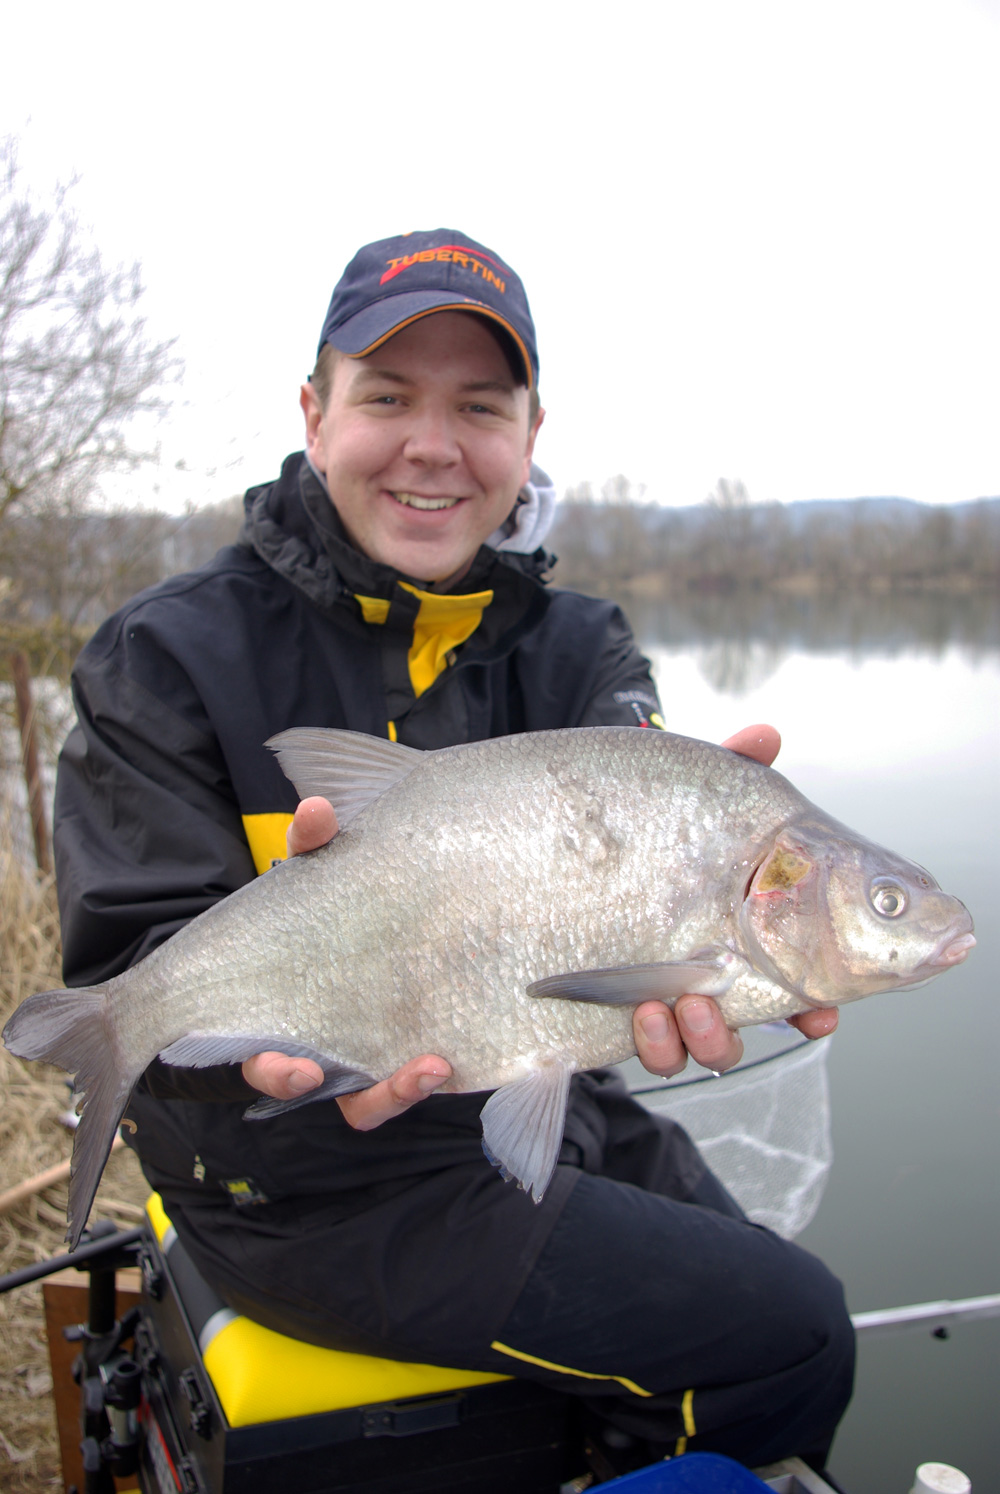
[(637, 1285), (701, 1331)]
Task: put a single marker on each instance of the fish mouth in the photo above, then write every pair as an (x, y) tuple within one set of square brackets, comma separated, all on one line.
[(952, 952)]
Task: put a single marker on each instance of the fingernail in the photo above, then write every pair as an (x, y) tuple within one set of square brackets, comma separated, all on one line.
[(696, 1015), (299, 1081), (656, 1027), (428, 1083)]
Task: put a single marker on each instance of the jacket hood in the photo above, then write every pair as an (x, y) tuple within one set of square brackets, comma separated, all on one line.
[(527, 526)]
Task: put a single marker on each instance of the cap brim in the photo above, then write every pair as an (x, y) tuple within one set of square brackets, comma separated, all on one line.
[(367, 330)]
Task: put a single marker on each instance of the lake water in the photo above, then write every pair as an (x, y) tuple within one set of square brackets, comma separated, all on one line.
[(894, 728)]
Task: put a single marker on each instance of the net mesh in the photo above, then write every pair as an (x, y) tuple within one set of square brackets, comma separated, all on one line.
[(763, 1127)]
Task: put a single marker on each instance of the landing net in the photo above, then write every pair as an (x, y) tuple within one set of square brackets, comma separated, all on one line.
[(763, 1127)]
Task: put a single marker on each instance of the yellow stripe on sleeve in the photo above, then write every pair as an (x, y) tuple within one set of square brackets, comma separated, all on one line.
[(265, 835), (562, 1369), (687, 1411)]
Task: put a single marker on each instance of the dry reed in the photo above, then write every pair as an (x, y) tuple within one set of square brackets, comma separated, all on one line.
[(33, 1097)]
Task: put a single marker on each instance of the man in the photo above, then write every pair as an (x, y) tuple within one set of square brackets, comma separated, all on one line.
[(389, 582)]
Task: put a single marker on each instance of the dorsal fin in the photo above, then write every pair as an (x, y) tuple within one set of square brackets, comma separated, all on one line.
[(346, 767)]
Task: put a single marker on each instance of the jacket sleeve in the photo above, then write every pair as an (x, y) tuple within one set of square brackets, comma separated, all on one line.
[(622, 692), (147, 835)]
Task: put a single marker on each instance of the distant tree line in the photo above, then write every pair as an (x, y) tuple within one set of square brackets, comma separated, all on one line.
[(79, 566), (62, 571), (615, 544)]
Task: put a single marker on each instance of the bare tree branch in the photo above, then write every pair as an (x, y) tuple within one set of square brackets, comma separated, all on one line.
[(76, 361)]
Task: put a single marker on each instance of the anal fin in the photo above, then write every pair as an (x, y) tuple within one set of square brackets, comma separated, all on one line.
[(202, 1050), (340, 1080)]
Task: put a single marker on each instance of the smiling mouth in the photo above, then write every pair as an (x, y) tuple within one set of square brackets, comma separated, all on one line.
[(413, 500)]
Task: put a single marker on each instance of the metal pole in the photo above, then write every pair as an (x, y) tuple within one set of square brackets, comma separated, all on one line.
[(925, 1315), (100, 1245)]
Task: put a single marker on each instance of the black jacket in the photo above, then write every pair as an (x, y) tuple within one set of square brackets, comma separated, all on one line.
[(177, 693), (166, 776)]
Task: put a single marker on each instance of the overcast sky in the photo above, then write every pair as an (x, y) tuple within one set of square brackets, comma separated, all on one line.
[(761, 238)]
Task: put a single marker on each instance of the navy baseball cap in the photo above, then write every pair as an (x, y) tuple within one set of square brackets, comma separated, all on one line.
[(396, 281)]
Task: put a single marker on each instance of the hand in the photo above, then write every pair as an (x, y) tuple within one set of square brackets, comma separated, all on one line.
[(665, 1038), (285, 1078), (762, 743)]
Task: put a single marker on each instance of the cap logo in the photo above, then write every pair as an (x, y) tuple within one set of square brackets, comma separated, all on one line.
[(440, 269), (447, 253)]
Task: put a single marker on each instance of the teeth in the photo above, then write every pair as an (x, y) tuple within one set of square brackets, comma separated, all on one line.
[(411, 500)]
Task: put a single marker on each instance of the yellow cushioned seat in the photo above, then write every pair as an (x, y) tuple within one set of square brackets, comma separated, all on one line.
[(261, 1376)]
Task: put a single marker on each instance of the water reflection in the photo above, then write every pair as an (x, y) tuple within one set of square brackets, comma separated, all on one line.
[(737, 666), (852, 623)]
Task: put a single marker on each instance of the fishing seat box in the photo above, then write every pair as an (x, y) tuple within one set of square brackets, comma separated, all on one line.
[(230, 1407)]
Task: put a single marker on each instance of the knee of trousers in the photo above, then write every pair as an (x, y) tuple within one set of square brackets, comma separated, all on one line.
[(812, 1304), (824, 1338)]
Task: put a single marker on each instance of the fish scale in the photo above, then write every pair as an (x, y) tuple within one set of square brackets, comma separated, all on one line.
[(505, 904)]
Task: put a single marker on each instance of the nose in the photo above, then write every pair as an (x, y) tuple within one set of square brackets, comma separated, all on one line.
[(431, 440)]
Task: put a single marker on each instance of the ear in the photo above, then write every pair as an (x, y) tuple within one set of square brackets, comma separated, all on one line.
[(530, 448), (313, 412)]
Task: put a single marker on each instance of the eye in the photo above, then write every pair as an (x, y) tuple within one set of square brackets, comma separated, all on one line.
[(888, 898)]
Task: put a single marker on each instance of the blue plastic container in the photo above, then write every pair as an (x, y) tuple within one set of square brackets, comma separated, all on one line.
[(694, 1473)]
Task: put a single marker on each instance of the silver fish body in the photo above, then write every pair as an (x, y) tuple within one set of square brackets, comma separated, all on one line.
[(505, 904)]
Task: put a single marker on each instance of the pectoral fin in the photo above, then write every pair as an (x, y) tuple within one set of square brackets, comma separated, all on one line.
[(523, 1126), (709, 972)]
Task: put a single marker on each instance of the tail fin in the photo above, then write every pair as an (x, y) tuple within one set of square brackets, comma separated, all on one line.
[(69, 1028)]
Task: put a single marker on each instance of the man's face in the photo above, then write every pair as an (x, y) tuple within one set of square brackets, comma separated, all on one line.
[(424, 444)]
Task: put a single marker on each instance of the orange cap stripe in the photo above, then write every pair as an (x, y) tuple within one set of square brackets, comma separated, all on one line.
[(467, 305)]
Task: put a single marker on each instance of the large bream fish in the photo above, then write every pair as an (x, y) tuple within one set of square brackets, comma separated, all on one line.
[(505, 904)]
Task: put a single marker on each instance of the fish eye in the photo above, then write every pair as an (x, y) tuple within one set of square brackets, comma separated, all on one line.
[(888, 898)]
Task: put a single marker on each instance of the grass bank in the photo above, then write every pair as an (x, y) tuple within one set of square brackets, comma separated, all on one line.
[(33, 1097)]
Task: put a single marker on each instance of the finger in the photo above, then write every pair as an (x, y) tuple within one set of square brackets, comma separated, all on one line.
[(414, 1081), (315, 823), (762, 743), (705, 1035), (282, 1077), (816, 1024), (657, 1041)]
